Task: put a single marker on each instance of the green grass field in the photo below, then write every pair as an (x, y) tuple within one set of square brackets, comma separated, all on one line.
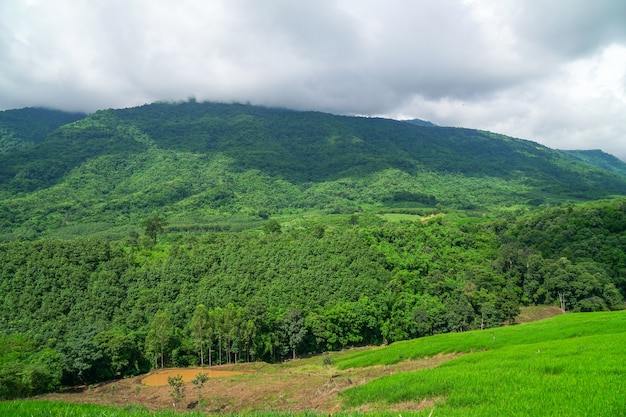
[(63, 409), (570, 365)]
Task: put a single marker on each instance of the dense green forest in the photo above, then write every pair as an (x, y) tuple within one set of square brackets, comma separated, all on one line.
[(88, 309), (203, 233), (218, 166)]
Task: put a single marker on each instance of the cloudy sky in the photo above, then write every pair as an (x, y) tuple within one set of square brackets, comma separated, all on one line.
[(552, 71)]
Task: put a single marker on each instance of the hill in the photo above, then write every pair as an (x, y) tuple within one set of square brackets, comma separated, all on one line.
[(24, 128), (601, 160), (85, 310), (198, 162), (569, 360)]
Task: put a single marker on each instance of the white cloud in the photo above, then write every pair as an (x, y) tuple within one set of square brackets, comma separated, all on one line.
[(546, 71)]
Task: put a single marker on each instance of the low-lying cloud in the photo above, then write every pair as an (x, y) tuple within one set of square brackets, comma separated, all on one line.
[(553, 72)]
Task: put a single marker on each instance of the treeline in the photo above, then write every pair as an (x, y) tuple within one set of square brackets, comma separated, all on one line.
[(89, 309)]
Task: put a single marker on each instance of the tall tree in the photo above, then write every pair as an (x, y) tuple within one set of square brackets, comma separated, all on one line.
[(200, 329), (160, 332), (294, 328), (154, 226)]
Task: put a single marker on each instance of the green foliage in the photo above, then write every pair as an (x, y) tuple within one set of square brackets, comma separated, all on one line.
[(24, 128), (301, 232), (154, 226), (106, 309), (294, 328), (200, 379), (197, 162), (201, 330), (82, 356), (178, 387), (27, 369), (272, 227), (160, 334), (55, 409)]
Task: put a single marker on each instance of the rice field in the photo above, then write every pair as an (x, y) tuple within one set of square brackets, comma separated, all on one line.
[(571, 365)]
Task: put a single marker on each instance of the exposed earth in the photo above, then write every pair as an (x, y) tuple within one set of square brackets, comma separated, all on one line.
[(302, 384)]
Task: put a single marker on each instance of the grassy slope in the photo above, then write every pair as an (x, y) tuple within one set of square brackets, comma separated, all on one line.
[(568, 365)]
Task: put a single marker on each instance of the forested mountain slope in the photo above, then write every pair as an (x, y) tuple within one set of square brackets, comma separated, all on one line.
[(197, 162), (26, 127), (136, 238), (601, 160)]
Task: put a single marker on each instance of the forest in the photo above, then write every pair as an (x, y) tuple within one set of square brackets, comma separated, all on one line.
[(89, 309), (221, 167), (201, 233)]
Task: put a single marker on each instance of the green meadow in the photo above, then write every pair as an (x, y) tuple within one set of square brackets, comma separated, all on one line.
[(570, 365)]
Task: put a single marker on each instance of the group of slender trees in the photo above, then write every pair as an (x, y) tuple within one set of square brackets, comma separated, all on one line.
[(220, 335)]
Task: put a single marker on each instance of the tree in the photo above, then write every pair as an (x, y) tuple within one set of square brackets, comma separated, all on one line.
[(160, 332), (272, 227), (294, 328), (119, 351), (154, 227), (83, 357), (178, 388), (200, 329)]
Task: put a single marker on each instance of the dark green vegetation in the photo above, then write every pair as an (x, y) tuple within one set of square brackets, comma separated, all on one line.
[(601, 160), (89, 309), (568, 365), (180, 234)]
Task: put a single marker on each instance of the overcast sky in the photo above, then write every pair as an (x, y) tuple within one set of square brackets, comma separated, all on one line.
[(552, 71)]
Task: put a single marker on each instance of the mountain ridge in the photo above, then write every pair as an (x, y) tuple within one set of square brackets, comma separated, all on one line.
[(201, 160)]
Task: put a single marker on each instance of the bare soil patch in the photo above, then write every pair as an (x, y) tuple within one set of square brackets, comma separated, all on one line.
[(534, 313), (303, 384), (159, 378)]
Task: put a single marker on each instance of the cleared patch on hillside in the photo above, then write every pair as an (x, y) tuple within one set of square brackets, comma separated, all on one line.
[(160, 377), (534, 313), (294, 386)]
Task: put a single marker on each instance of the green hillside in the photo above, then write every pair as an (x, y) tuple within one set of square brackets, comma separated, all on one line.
[(601, 160), (199, 162), (87, 309), (27, 127), (567, 365)]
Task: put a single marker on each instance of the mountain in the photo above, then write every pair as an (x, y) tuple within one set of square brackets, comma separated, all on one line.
[(27, 127), (601, 160), (420, 122), (118, 247), (197, 162)]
